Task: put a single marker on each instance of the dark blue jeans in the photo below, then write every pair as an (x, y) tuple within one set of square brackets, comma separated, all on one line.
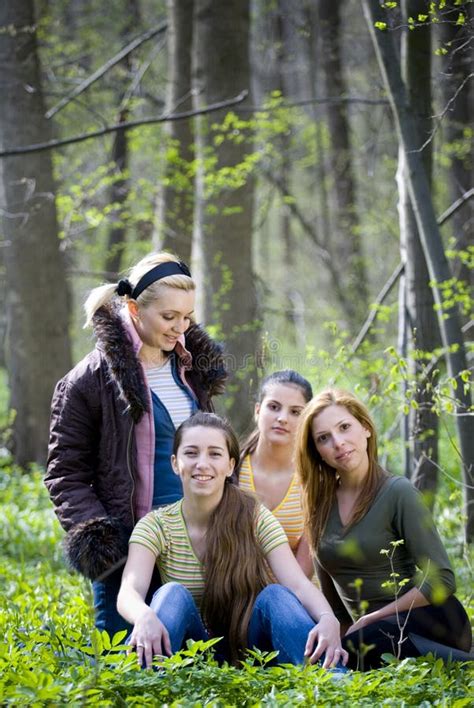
[(105, 601), (279, 622), (446, 624)]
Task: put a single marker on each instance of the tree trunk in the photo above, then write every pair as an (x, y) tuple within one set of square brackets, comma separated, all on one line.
[(346, 240), (423, 422), (120, 188), (291, 293), (402, 349), (119, 191), (224, 215), (38, 350), (175, 214), (457, 125), (438, 267), (314, 50)]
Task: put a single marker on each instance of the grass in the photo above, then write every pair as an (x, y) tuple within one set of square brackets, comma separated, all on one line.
[(52, 655)]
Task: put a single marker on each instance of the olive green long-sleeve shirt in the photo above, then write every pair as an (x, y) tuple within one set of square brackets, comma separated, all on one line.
[(360, 570)]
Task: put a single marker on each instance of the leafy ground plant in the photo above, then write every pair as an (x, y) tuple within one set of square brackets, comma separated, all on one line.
[(52, 656)]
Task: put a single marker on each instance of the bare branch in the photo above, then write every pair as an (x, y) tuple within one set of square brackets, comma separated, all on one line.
[(399, 270), (378, 301), (291, 205), (322, 99), (439, 117), (459, 482), (455, 206), (310, 231), (454, 96), (149, 34), (97, 275), (140, 74), (51, 144)]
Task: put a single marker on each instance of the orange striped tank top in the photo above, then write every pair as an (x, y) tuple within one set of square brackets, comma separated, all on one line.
[(289, 511)]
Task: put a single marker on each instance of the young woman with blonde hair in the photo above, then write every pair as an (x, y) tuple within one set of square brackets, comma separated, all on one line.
[(214, 550), (114, 417), (381, 562)]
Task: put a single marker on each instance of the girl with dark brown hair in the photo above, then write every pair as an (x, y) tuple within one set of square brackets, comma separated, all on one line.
[(215, 550), (377, 550), (267, 465)]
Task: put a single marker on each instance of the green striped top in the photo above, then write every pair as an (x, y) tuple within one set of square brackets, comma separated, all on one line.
[(164, 533)]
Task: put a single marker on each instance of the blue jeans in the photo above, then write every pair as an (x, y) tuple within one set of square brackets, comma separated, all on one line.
[(279, 622), (105, 601), (105, 604), (174, 605)]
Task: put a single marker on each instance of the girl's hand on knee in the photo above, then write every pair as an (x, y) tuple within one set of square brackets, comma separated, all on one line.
[(326, 636), (150, 638)]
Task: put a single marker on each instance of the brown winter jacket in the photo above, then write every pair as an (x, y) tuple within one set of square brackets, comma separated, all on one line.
[(92, 454)]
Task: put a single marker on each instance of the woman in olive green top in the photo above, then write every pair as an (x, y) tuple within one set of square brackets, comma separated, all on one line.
[(377, 551)]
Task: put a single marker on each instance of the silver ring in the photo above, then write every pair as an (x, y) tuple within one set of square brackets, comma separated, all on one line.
[(141, 645)]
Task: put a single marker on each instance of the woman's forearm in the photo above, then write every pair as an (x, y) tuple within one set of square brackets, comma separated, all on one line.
[(149, 636), (409, 601), (312, 599), (136, 579), (130, 604)]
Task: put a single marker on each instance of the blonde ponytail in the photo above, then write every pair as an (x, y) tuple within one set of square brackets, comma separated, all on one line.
[(98, 297)]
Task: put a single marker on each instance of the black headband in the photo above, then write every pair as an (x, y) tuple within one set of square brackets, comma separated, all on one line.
[(164, 270)]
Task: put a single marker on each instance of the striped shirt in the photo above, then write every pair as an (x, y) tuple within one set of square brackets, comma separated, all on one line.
[(289, 511), (165, 534), (177, 403)]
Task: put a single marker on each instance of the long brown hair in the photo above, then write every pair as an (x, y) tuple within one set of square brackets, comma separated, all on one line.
[(235, 569), (319, 481), (285, 377)]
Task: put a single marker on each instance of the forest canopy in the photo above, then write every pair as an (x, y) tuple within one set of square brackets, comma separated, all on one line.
[(313, 163)]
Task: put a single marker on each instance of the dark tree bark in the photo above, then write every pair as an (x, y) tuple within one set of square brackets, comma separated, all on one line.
[(346, 242), (175, 214), (120, 188), (438, 267), (422, 321), (314, 50), (224, 217), (38, 350), (458, 66), (118, 195), (294, 330)]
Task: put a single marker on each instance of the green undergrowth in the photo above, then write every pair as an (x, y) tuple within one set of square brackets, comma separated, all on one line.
[(51, 655)]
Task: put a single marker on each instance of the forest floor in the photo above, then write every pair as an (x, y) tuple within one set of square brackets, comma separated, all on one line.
[(52, 656)]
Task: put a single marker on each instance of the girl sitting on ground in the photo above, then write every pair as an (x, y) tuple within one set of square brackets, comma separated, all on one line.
[(212, 549), (375, 542)]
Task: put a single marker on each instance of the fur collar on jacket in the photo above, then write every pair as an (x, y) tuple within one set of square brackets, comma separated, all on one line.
[(207, 375)]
